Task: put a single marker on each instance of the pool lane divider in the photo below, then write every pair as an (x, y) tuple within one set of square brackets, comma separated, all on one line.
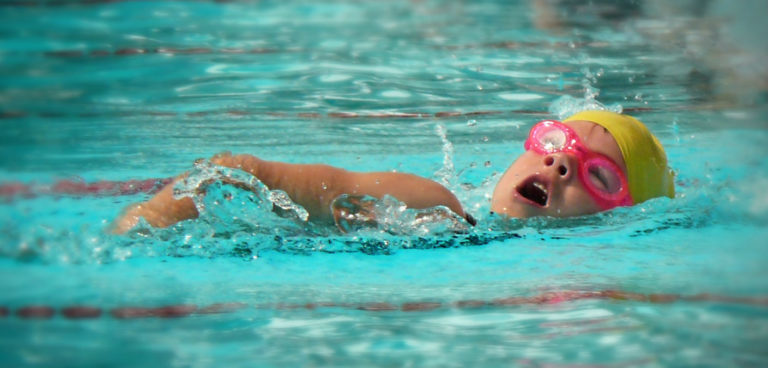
[(18, 114), (84, 312), (14, 190)]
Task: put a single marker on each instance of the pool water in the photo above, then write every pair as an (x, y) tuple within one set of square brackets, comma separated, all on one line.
[(102, 101)]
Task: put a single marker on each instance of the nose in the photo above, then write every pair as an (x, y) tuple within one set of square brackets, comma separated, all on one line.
[(560, 165)]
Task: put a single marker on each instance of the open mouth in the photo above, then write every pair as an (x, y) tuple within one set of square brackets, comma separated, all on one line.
[(535, 190)]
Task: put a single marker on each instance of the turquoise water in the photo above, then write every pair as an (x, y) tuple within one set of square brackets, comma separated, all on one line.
[(93, 93)]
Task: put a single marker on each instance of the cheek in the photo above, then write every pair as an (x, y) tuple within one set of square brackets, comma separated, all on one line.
[(577, 201)]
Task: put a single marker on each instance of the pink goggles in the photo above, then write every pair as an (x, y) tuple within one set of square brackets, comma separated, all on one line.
[(602, 177)]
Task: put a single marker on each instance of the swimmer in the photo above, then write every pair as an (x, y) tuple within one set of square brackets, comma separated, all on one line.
[(592, 161)]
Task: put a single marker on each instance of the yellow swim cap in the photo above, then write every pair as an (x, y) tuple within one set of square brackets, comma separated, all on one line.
[(647, 171)]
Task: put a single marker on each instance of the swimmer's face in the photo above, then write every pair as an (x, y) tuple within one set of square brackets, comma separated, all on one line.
[(559, 192)]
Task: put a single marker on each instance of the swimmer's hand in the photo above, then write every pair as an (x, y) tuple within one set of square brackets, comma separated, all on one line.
[(354, 213), (162, 210)]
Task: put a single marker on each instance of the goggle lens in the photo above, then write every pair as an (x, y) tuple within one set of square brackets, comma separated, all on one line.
[(602, 177), (551, 138)]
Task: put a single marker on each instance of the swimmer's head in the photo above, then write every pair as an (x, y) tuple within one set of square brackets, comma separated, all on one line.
[(594, 161)]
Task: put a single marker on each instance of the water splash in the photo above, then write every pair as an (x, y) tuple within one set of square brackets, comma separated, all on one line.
[(566, 105), (391, 216), (447, 174), (261, 198)]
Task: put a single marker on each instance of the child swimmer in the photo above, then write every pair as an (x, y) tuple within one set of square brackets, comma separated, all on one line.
[(592, 161)]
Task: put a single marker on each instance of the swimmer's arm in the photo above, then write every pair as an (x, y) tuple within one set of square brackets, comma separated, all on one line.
[(415, 191), (314, 187)]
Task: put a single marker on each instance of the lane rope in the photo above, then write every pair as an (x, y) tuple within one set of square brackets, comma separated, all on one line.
[(67, 187), (86, 312)]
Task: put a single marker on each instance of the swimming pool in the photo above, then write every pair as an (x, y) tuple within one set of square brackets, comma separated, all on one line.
[(102, 101)]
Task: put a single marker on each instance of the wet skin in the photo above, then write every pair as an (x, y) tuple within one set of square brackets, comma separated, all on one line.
[(558, 173)]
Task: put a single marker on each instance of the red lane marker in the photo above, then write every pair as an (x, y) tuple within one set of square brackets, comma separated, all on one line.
[(221, 308), (377, 307), (309, 115), (15, 189), (282, 306), (470, 304), (131, 51), (76, 187), (491, 112), (398, 115), (343, 115), (663, 298), (622, 295), (184, 310), (35, 312), (516, 300), (728, 299), (174, 311), (262, 51), (305, 115), (170, 311), (562, 296), (233, 51), (546, 298), (81, 312), (193, 50), (131, 312), (420, 306)]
